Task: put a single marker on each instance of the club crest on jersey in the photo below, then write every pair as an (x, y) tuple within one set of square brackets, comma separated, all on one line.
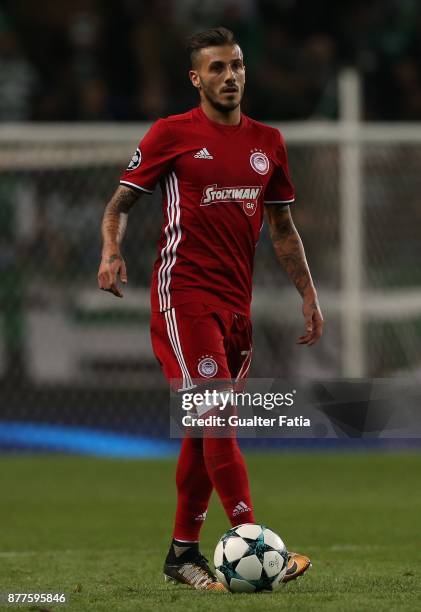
[(207, 366), (259, 162), (247, 196), (135, 160)]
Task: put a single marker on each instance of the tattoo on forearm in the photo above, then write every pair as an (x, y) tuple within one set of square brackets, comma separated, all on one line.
[(113, 258), (116, 212), (289, 248)]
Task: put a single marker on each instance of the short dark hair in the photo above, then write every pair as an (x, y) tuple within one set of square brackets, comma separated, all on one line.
[(216, 37)]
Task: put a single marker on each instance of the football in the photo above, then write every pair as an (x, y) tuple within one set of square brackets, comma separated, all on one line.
[(250, 558)]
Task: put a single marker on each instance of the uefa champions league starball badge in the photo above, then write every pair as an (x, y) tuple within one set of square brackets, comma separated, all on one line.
[(135, 160), (259, 161)]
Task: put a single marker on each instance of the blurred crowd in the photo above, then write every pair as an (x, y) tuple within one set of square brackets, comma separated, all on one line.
[(125, 60)]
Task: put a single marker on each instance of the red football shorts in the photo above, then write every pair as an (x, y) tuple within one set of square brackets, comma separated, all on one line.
[(196, 341)]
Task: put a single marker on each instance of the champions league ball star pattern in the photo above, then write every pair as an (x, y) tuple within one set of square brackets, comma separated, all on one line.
[(250, 558)]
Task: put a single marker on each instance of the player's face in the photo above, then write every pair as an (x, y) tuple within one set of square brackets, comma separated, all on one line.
[(219, 75)]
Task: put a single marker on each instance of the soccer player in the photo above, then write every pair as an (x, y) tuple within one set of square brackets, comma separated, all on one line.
[(219, 171)]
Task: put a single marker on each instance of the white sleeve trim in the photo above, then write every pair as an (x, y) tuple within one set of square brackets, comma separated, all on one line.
[(136, 186), (279, 201)]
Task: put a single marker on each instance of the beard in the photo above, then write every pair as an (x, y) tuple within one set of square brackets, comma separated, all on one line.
[(222, 107)]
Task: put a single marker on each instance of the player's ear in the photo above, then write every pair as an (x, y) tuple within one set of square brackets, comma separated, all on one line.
[(194, 78)]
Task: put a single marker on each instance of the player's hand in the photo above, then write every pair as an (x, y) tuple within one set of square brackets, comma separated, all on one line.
[(111, 268), (313, 320)]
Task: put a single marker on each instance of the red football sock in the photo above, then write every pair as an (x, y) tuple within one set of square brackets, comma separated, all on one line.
[(227, 470), (194, 489)]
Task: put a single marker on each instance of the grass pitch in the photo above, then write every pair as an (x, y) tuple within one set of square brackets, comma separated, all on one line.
[(98, 530)]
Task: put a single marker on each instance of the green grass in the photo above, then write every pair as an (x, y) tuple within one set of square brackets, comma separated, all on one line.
[(99, 529)]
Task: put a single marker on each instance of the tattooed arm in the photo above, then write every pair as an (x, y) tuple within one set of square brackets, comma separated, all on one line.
[(290, 252), (114, 225)]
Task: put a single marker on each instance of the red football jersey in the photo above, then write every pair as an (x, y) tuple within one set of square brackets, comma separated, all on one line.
[(215, 180)]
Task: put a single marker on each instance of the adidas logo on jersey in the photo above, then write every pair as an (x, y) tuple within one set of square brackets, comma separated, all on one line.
[(203, 154), (239, 508), (201, 517)]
